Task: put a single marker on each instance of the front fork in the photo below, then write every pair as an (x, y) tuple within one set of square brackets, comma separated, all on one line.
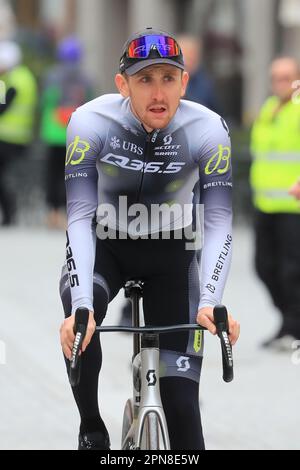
[(146, 388)]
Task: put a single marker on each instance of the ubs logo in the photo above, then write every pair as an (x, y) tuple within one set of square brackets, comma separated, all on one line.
[(115, 143), (133, 148)]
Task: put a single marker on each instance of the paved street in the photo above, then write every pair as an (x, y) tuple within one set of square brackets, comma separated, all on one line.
[(259, 410)]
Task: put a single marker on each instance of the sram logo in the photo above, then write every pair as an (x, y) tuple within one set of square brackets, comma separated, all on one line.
[(138, 165)]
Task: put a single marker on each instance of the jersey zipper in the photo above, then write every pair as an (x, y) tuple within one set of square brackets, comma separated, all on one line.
[(147, 148)]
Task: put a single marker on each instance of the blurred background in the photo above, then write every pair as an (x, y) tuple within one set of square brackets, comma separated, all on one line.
[(239, 40), (230, 44)]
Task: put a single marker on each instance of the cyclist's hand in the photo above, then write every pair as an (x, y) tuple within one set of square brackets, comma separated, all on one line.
[(67, 336), (205, 318)]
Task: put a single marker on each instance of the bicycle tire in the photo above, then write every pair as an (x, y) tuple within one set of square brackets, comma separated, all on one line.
[(127, 423), (151, 434)]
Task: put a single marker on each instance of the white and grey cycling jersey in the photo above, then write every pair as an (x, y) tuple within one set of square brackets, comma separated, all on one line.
[(111, 156)]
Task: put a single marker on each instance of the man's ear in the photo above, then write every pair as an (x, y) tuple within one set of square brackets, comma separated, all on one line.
[(122, 85), (185, 81)]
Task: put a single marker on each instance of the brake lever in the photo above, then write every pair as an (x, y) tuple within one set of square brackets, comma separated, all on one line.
[(221, 322)]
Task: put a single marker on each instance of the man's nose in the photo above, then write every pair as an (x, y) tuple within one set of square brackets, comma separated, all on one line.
[(157, 93)]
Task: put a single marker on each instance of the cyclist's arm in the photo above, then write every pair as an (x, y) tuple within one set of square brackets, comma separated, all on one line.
[(216, 196), (81, 190)]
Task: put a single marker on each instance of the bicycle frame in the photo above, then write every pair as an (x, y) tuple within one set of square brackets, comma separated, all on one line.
[(146, 397), (145, 366)]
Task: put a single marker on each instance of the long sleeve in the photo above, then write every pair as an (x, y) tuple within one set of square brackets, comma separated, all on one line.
[(81, 177), (216, 200)]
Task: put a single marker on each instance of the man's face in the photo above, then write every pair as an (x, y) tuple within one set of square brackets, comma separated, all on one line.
[(154, 93), (283, 73)]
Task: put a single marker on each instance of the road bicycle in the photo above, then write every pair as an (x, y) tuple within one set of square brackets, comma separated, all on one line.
[(144, 423)]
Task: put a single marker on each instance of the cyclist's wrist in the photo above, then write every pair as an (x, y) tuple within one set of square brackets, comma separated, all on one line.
[(206, 305), (89, 306)]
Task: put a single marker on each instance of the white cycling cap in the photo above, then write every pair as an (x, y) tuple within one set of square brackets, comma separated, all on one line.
[(10, 55)]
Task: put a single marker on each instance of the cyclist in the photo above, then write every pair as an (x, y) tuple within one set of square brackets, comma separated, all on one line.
[(148, 145)]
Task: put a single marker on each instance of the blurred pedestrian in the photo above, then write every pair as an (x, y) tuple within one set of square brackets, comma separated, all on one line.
[(275, 147), (200, 87), (17, 117), (8, 22), (65, 89)]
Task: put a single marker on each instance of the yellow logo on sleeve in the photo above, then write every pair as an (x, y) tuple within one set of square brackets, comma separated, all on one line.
[(77, 147), (214, 164)]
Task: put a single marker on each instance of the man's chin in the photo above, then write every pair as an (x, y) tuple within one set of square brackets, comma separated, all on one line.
[(158, 122)]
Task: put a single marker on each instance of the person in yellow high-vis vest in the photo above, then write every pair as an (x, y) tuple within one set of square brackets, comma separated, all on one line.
[(17, 112), (275, 146)]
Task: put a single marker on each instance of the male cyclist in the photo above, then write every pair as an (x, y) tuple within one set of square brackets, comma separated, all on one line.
[(151, 148)]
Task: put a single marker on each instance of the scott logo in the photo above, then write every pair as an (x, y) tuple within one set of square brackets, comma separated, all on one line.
[(168, 139), (77, 147), (151, 378), (183, 364)]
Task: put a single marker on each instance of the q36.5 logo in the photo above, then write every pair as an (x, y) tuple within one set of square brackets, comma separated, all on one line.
[(139, 165), (219, 162), (77, 148)]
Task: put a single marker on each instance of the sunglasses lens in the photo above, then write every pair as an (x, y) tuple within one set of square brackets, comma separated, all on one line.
[(167, 47), (140, 48)]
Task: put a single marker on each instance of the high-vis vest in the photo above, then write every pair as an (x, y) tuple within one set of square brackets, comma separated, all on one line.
[(275, 146), (17, 123)]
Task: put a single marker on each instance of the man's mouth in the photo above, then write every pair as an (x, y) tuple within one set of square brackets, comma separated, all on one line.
[(157, 109)]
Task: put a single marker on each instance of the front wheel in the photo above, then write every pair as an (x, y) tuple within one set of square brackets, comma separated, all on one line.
[(127, 441)]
